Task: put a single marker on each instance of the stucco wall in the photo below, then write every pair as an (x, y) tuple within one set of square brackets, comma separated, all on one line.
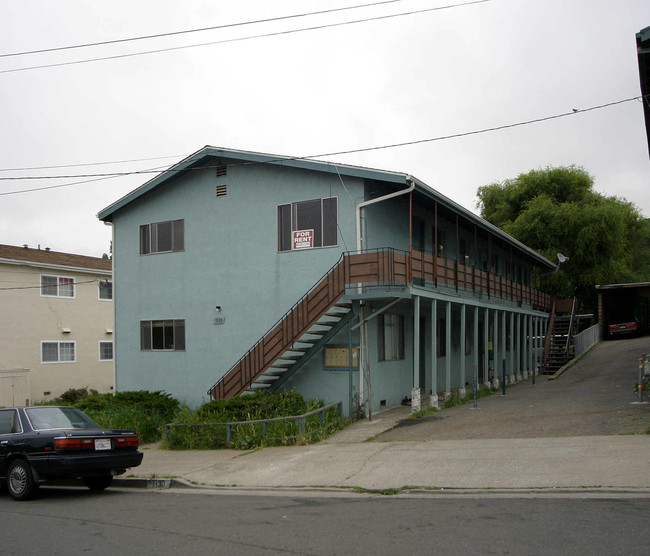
[(231, 259), (28, 318)]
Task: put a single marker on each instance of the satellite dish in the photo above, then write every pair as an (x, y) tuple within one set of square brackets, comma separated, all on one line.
[(562, 258)]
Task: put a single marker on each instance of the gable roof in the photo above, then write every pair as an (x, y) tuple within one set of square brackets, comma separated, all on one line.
[(197, 161), (47, 258), (199, 158)]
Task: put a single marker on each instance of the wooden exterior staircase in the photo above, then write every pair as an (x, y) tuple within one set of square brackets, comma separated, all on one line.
[(557, 349)]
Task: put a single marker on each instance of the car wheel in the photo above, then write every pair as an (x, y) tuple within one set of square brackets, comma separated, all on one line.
[(20, 480), (98, 483)]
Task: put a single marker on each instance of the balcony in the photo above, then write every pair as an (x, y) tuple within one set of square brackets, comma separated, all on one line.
[(321, 312)]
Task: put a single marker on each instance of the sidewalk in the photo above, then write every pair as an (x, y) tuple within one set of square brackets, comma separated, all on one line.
[(345, 461)]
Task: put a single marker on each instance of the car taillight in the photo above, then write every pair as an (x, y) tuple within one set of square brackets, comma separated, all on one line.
[(74, 443), (126, 442), (613, 326)]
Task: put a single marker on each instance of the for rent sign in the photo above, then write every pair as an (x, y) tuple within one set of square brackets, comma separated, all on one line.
[(303, 239)]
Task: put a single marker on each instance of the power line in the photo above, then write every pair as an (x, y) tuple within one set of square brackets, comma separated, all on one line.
[(240, 39), (199, 30), (351, 151), (40, 286), (86, 164)]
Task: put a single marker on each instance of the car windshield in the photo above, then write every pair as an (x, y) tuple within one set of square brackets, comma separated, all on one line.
[(59, 418)]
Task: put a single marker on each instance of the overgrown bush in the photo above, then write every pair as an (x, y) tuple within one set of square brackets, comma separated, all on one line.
[(259, 406), (148, 412)]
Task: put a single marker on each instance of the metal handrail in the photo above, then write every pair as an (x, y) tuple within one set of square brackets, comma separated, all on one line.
[(300, 421), (570, 331)]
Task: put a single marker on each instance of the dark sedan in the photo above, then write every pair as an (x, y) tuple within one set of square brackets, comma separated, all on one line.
[(44, 443)]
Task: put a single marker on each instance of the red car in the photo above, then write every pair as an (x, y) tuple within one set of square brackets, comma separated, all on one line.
[(624, 327), (44, 443)]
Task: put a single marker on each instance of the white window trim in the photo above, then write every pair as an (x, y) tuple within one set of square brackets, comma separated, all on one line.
[(99, 290), (59, 342), (58, 277), (112, 351)]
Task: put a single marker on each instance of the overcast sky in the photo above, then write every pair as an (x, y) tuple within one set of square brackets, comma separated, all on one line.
[(369, 84)]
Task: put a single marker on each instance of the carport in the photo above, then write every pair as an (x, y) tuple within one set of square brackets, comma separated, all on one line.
[(633, 298)]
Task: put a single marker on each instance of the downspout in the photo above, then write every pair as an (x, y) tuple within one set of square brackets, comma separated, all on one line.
[(364, 328), (114, 305)]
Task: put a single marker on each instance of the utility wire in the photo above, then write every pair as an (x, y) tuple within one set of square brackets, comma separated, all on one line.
[(239, 39), (199, 30), (333, 153), (40, 286), (87, 164)]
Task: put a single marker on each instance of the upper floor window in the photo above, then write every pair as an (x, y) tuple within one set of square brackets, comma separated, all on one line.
[(105, 289), (57, 286), (162, 335), (162, 237), (58, 352), (308, 224)]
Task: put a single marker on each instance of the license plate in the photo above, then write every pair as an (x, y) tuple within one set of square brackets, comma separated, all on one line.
[(102, 444)]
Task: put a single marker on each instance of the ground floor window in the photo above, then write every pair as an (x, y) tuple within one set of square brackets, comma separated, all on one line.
[(105, 351), (391, 337), (58, 352), (162, 335)]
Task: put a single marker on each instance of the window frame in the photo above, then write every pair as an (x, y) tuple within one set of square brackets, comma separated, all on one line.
[(329, 208), (101, 344), (397, 351), (69, 282), (101, 287), (151, 233), (59, 344), (149, 328)]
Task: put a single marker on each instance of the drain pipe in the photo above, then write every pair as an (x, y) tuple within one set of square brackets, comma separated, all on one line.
[(363, 332)]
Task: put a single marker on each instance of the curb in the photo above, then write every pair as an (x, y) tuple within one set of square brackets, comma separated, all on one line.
[(406, 491)]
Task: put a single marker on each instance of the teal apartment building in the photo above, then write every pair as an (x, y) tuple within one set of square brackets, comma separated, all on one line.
[(235, 271)]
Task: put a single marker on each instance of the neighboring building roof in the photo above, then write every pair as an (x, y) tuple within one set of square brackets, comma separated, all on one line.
[(197, 160), (630, 286), (47, 258)]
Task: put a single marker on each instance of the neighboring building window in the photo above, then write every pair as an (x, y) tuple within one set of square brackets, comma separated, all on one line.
[(105, 289), (162, 237), (105, 351), (308, 224), (162, 335), (391, 337), (57, 286), (58, 352)]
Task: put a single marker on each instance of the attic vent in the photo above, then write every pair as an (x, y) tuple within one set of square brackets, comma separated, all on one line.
[(222, 190), (222, 170)]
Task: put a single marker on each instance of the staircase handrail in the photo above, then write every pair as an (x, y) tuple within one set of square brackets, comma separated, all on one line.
[(569, 334), (285, 315), (549, 335)]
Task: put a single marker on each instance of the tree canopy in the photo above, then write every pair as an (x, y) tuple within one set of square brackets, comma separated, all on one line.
[(557, 210)]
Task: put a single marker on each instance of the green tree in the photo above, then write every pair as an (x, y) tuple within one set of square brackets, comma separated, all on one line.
[(557, 210)]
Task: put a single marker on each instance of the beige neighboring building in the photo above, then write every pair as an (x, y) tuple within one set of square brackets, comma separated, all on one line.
[(56, 330)]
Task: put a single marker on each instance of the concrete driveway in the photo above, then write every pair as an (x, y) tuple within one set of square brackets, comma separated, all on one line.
[(596, 396)]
